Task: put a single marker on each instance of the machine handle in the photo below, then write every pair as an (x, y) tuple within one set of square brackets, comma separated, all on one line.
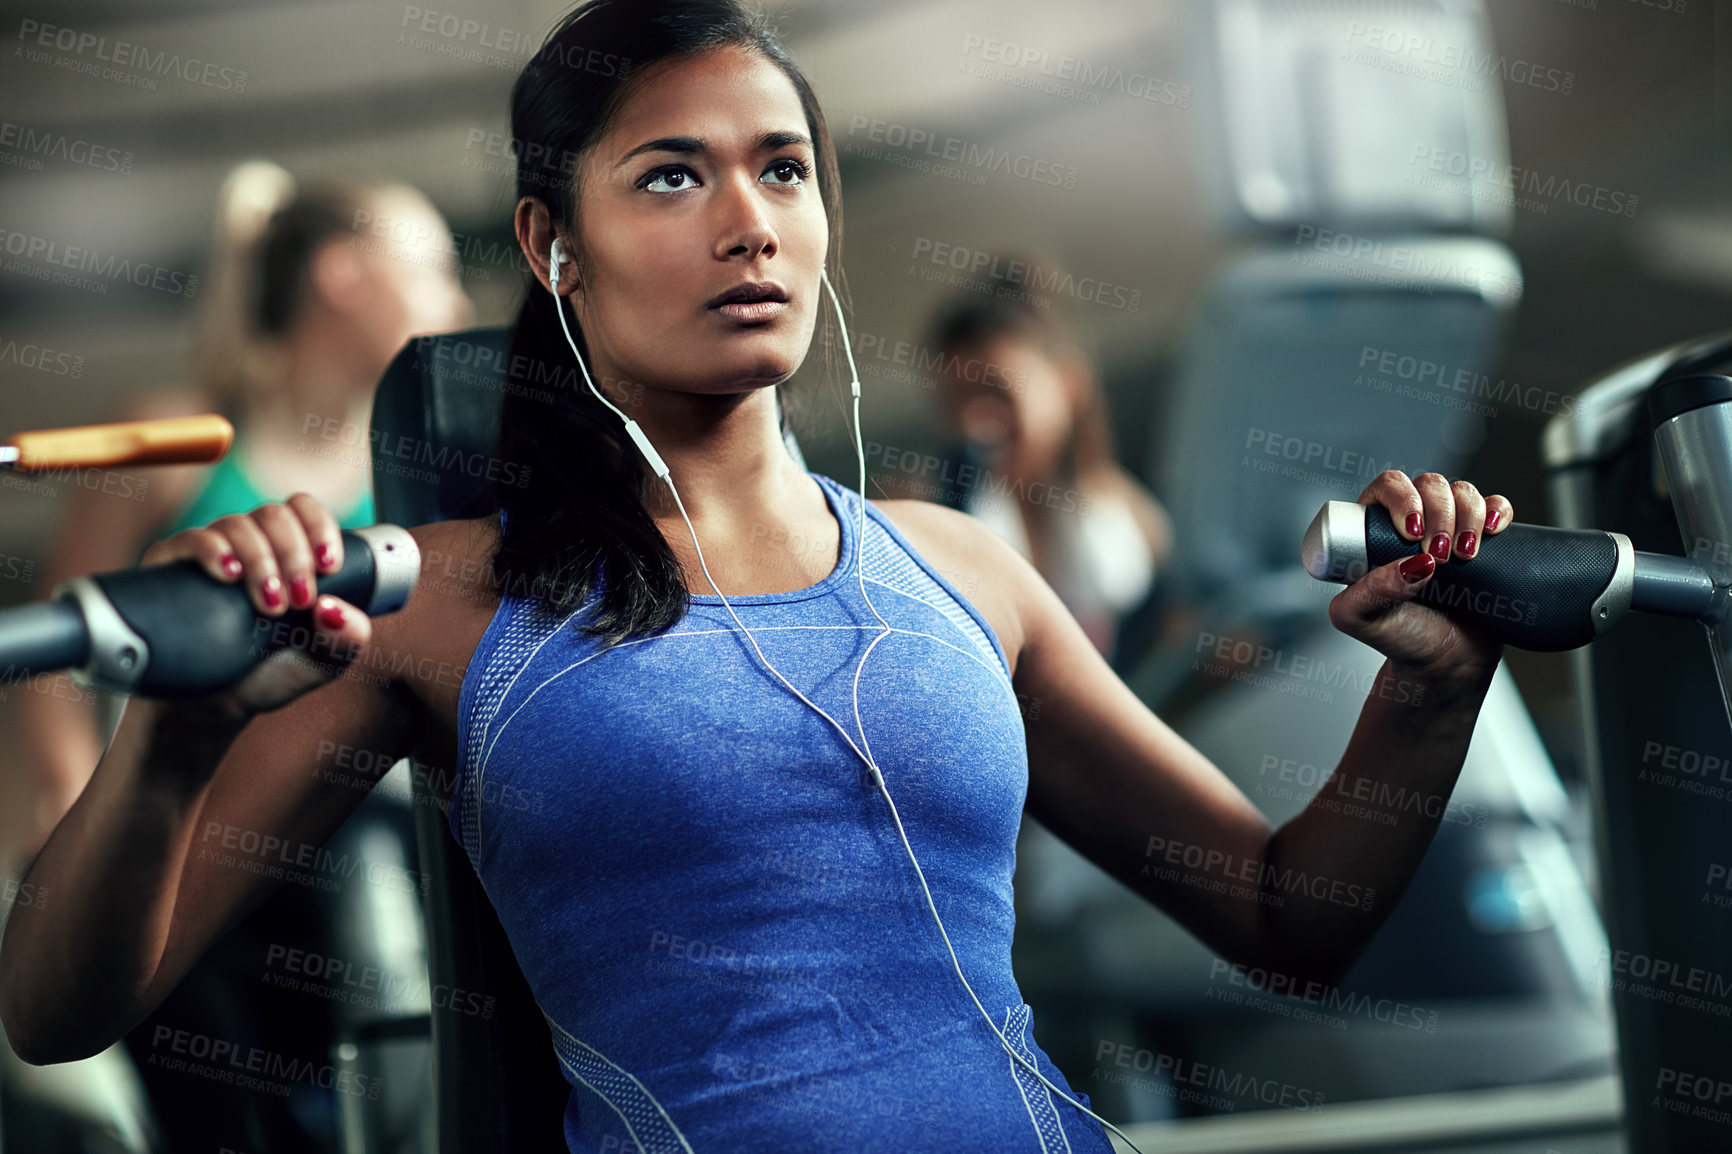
[(175, 631), (170, 441), (41, 637), (1532, 586)]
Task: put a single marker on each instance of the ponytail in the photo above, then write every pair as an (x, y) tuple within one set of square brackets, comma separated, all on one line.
[(226, 355)]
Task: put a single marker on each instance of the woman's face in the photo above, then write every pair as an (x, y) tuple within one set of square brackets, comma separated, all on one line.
[(706, 181), (408, 272), (1010, 398)]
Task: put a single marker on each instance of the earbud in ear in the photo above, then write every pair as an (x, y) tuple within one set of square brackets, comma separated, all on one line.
[(555, 258)]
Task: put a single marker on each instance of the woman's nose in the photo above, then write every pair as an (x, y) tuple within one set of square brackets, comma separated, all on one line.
[(744, 228)]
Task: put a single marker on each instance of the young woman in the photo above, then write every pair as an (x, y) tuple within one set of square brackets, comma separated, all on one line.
[(713, 900)]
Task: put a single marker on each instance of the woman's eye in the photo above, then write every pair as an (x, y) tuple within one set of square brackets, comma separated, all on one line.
[(790, 171), (669, 179)]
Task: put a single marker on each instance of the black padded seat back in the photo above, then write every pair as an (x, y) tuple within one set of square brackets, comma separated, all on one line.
[(495, 1078)]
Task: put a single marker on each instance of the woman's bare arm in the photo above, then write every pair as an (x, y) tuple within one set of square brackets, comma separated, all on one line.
[(151, 864), (1116, 782)]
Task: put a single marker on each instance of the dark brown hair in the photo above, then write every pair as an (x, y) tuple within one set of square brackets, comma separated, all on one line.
[(583, 521)]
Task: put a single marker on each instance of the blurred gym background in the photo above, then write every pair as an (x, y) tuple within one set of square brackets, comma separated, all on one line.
[(1616, 115), (359, 88)]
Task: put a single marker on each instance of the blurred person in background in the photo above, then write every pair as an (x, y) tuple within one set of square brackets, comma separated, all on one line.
[(313, 289), (304, 309), (1023, 408)]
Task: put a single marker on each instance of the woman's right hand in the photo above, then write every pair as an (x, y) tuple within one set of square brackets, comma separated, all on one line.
[(277, 552)]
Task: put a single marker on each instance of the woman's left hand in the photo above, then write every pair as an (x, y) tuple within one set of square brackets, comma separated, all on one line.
[(1380, 608)]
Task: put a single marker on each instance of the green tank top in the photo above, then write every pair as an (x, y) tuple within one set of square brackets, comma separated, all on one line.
[(230, 489)]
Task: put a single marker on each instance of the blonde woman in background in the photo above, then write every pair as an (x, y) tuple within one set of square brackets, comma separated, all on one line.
[(313, 289), (303, 313)]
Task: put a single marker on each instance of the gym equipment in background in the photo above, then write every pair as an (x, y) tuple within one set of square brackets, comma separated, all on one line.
[(1644, 453)]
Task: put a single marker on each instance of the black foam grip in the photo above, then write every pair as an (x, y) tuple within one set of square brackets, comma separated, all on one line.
[(204, 634), (1532, 586)]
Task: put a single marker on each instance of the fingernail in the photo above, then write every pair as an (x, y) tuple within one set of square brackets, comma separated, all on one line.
[(232, 565), (1466, 543), (1493, 519), (1417, 568), (299, 594), (331, 617), (1440, 546), (272, 591), (1415, 524), (323, 555)]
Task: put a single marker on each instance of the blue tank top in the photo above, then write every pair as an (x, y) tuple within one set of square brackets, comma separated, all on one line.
[(710, 901)]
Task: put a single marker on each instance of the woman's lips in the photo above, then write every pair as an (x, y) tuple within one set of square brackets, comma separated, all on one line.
[(752, 311)]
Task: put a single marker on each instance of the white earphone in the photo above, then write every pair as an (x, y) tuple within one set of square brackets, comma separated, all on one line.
[(557, 258)]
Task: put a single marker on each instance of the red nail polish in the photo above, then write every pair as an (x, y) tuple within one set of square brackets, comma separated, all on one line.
[(1493, 519), (1417, 567), (1415, 524), (1466, 543), (323, 555), (232, 565), (299, 595), (1440, 546), (331, 617), (272, 591)]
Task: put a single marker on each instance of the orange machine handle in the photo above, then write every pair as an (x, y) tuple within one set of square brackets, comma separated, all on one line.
[(196, 440)]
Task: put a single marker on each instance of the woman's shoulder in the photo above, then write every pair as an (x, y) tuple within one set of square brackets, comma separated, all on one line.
[(926, 519), (430, 641), (983, 566), (175, 400), (457, 538), (456, 580), (427, 645)]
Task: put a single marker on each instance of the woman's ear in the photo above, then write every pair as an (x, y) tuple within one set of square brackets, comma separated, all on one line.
[(535, 235)]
